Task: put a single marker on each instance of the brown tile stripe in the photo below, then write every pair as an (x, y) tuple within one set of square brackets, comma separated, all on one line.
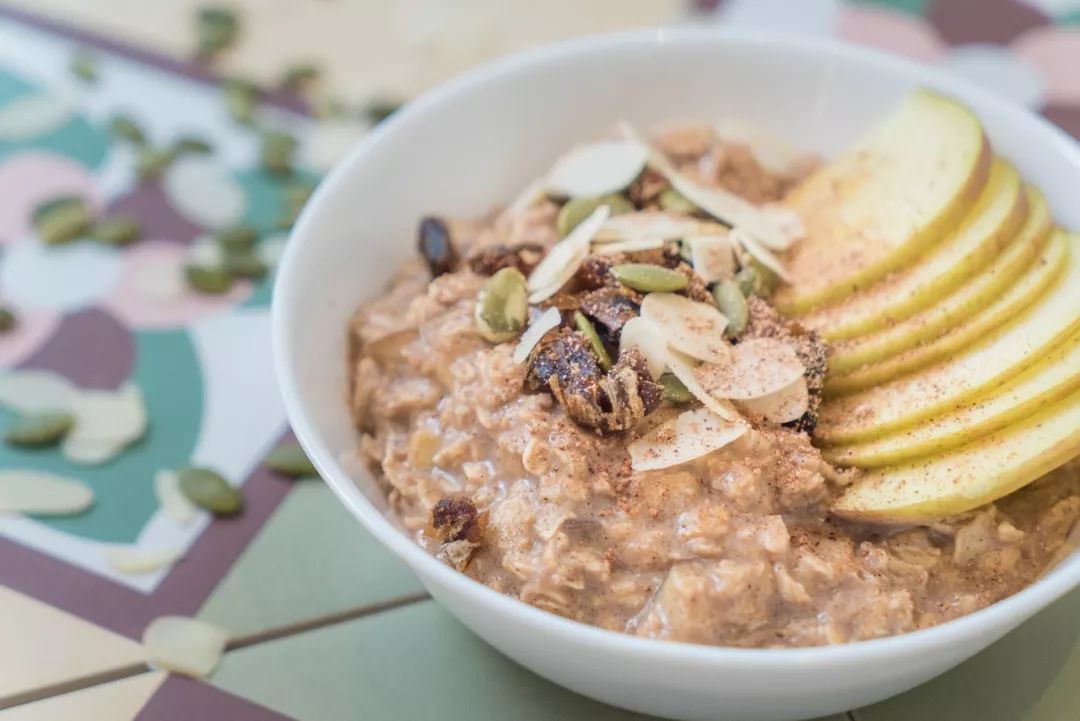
[(187, 68), (184, 699), (183, 591)]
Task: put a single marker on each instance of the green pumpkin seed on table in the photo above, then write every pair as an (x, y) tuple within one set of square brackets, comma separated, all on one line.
[(122, 127), (238, 237), (62, 220), (290, 460), (8, 320), (217, 28), (277, 151), (117, 231), (84, 65), (208, 490), (208, 279), (38, 430)]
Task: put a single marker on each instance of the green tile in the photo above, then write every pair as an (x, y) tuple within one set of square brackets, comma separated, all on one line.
[(414, 663), (310, 559), (1030, 675)]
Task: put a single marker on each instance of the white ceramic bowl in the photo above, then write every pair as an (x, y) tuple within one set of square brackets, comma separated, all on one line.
[(475, 142)]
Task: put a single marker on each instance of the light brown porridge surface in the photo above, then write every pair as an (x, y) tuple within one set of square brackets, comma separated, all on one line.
[(735, 548)]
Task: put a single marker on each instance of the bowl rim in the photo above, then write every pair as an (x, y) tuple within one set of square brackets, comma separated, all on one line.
[(1023, 604)]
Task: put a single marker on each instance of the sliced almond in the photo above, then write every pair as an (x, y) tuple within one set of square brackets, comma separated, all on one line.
[(650, 339), (691, 435), (565, 257), (684, 369), (692, 327), (758, 367), (25, 491), (549, 320), (171, 499), (597, 169), (533, 192), (184, 645), (30, 116), (787, 221), (134, 560), (783, 406), (760, 253), (713, 256), (629, 246), (652, 225), (29, 392), (104, 420), (91, 452)]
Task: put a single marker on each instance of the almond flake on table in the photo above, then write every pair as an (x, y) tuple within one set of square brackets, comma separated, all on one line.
[(546, 322), (171, 500), (33, 391), (597, 169), (184, 645), (691, 435), (565, 257), (692, 327), (105, 423), (41, 493), (134, 560)]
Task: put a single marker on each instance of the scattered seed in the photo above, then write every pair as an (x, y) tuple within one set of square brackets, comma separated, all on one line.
[(576, 210), (192, 144), (278, 149), (8, 321), (240, 237), (134, 560), (749, 281), (649, 278), (171, 499), (245, 263), (46, 494), (585, 326), (152, 162), (62, 220), (123, 127), (184, 645), (732, 303), (208, 490), (380, 109), (241, 99), (502, 306), (216, 30), (673, 201), (290, 460), (35, 431), (433, 239), (675, 391), (212, 281), (106, 422), (116, 231), (84, 65), (300, 78), (32, 391), (328, 108), (294, 196)]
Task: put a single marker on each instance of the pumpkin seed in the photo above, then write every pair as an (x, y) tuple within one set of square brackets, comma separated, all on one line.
[(245, 263), (576, 210), (152, 162), (300, 78), (294, 196), (290, 460), (585, 326), (433, 239), (675, 391), (216, 30), (749, 281), (380, 109), (8, 321), (502, 306), (241, 99), (649, 278), (732, 303), (673, 201), (191, 144), (278, 149), (123, 127), (84, 65), (207, 489), (62, 220), (43, 429), (116, 231), (328, 108), (240, 237), (212, 281)]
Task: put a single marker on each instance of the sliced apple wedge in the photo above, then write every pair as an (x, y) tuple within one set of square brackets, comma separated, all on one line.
[(1041, 274), (957, 307), (1038, 386), (970, 476), (897, 192), (1005, 353), (984, 232)]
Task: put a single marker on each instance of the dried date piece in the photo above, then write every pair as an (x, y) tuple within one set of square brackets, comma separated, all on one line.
[(647, 188), (493, 258), (764, 321), (612, 307), (460, 527), (436, 246)]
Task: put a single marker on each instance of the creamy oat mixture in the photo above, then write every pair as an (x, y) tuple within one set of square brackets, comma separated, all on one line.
[(508, 470)]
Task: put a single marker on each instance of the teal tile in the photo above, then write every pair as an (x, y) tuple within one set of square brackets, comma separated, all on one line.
[(413, 663), (1030, 675), (311, 558)]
